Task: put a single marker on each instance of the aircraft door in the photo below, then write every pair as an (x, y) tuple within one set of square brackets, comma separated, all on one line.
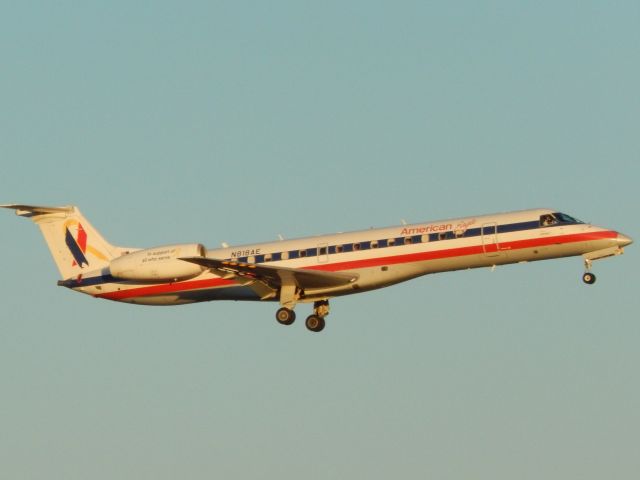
[(490, 244)]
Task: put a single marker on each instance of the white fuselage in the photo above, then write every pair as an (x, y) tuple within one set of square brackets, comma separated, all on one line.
[(379, 257)]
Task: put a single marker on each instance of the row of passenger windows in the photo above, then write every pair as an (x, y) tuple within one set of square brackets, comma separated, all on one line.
[(350, 247), (547, 220)]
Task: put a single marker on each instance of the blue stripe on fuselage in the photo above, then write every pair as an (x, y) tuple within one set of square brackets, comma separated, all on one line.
[(293, 254), (87, 282)]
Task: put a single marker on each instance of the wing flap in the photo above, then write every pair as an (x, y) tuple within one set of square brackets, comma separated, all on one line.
[(275, 276)]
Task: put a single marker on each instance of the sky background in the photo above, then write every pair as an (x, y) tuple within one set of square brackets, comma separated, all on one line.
[(237, 121)]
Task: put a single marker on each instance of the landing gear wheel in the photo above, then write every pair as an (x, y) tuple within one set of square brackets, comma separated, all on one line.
[(589, 278), (315, 323), (285, 316)]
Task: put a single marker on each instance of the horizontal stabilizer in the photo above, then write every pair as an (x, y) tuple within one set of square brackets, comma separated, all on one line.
[(33, 210)]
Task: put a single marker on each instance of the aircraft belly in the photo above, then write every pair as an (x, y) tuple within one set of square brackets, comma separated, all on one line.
[(193, 296), (382, 276), (548, 252), (392, 274)]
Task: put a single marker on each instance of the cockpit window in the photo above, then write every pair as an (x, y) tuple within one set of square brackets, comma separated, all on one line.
[(548, 220), (564, 218), (557, 218)]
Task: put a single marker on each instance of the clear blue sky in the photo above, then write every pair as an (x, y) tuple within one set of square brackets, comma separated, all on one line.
[(238, 121)]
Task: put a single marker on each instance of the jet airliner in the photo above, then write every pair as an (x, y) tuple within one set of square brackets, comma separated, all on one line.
[(313, 269)]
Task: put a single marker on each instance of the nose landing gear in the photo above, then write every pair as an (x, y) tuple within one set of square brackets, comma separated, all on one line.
[(588, 277)]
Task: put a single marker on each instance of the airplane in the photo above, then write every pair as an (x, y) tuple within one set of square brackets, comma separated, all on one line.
[(312, 269)]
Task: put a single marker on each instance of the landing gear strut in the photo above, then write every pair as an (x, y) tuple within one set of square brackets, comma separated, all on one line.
[(588, 277)]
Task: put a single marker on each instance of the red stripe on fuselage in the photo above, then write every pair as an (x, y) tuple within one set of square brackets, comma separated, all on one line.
[(165, 288), (468, 250), (168, 288)]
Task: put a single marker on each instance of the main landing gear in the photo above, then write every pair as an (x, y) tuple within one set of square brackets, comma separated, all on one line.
[(314, 322), (285, 316)]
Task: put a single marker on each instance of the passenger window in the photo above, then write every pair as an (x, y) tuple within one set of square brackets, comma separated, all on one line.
[(285, 255), (407, 241), (442, 236), (356, 246), (374, 244), (391, 242), (425, 239), (267, 257), (339, 249)]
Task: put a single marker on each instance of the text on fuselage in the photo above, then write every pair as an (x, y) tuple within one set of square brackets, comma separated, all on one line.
[(248, 252), (444, 227)]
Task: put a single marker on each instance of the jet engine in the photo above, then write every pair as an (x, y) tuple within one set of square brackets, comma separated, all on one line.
[(159, 264)]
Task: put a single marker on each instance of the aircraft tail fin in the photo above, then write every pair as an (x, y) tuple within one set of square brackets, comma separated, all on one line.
[(75, 245)]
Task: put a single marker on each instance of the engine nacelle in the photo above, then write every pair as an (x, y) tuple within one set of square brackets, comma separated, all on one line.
[(159, 264)]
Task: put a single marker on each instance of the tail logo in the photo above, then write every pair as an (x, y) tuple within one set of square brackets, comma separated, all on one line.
[(78, 245)]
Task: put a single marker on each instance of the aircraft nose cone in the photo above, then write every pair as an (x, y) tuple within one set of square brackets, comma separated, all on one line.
[(623, 240)]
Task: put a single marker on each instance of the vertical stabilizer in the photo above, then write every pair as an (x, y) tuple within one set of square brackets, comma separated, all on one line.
[(75, 245)]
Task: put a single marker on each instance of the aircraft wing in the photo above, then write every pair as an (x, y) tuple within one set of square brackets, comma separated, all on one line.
[(273, 277)]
